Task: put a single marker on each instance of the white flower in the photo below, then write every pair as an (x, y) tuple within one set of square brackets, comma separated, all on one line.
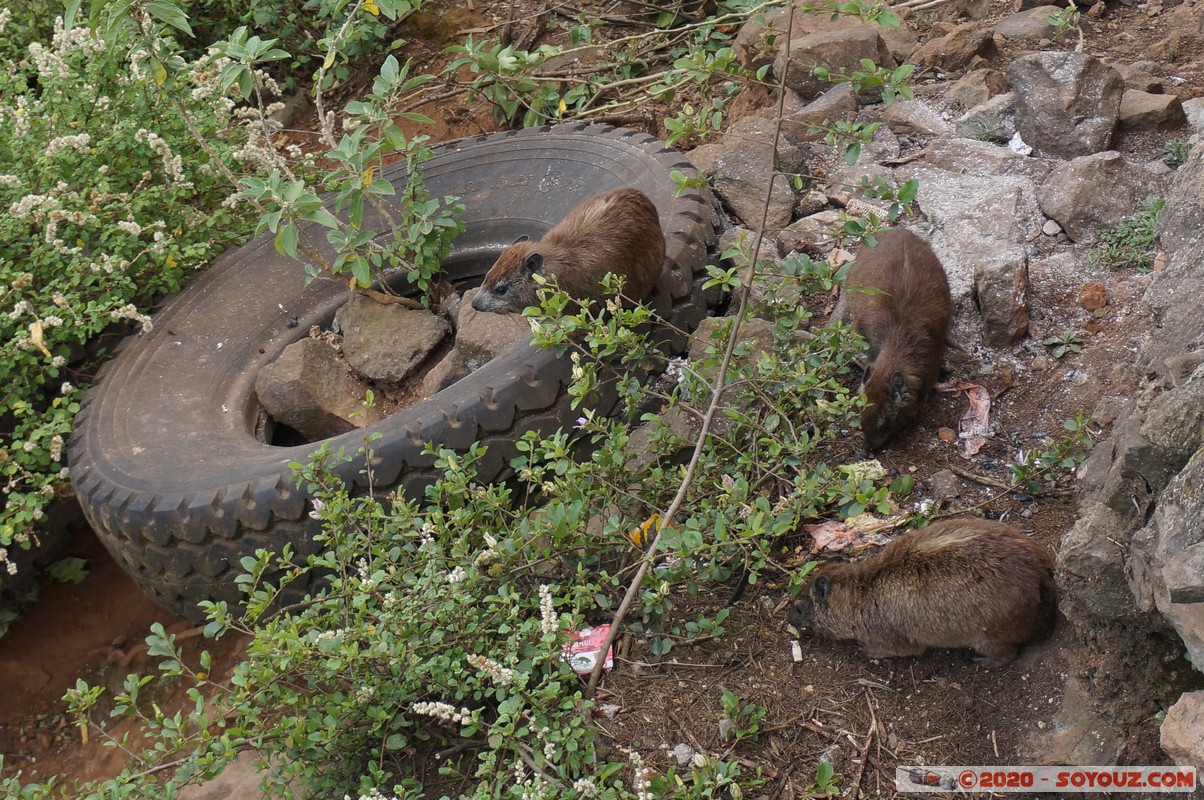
[(456, 575), (79, 143), (443, 711), (503, 676), (547, 611)]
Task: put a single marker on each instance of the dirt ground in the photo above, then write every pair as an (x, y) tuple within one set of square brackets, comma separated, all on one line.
[(834, 703)]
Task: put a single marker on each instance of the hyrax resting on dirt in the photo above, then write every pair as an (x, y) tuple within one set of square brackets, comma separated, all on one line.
[(615, 231), (959, 583), (898, 297)]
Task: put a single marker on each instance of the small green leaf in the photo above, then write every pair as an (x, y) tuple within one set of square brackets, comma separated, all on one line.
[(169, 14)]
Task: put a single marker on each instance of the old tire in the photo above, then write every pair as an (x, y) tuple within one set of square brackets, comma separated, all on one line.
[(165, 457)]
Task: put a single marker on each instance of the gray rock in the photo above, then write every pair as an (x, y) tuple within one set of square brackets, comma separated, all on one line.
[(1181, 731), (813, 235), (1179, 323), (759, 40), (838, 104), (1170, 433), (977, 87), (387, 342), (740, 179), (759, 132), (683, 753), (1067, 104), (240, 778), (310, 389), (1031, 24), (1193, 109), (1092, 192), (682, 426), (1001, 289), (1142, 111), (916, 117), (449, 369), (1080, 735), (812, 202), (976, 157), (958, 49), (945, 484), (900, 41), (973, 9), (834, 50), (704, 156), (844, 180), (481, 336), (994, 120), (1138, 77), (980, 219), (1091, 567)]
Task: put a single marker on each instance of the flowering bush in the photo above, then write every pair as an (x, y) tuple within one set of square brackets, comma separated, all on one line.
[(102, 215)]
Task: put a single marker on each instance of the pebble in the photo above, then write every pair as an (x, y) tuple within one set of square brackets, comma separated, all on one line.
[(1051, 228), (1093, 295)]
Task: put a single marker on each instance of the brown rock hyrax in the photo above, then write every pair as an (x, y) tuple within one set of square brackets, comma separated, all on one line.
[(614, 231), (960, 583), (898, 297)]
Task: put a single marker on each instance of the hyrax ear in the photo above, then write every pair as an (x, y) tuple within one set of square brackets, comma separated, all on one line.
[(522, 238), (898, 387), (820, 590), (533, 263)]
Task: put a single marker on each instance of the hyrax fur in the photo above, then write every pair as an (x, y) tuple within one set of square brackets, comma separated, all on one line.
[(960, 583), (615, 231), (898, 295)]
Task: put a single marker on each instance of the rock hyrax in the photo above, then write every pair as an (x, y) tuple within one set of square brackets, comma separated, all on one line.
[(960, 583), (616, 231), (898, 296)]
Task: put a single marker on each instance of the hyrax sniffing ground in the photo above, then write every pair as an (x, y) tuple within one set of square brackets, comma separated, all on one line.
[(616, 231), (898, 296), (958, 583)]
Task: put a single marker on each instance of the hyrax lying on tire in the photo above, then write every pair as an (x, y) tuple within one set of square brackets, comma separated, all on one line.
[(898, 296), (615, 231), (960, 583)]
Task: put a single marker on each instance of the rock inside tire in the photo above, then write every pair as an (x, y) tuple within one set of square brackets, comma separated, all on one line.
[(167, 456)]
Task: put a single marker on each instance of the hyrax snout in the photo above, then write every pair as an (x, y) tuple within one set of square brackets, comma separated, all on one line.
[(616, 231), (956, 584), (898, 296)]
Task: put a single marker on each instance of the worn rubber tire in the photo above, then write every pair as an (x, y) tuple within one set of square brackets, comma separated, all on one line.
[(165, 457)]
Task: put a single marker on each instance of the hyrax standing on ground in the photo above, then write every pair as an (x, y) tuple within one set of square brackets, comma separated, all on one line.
[(898, 295), (959, 583), (615, 231)]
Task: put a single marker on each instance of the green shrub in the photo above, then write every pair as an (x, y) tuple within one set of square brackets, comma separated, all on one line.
[(440, 625), (1131, 244), (103, 213)]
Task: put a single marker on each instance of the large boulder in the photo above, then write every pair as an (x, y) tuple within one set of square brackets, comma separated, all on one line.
[(387, 342), (311, 389), (961, 48), (1067, 104), (1093, 192), (744, 169), (833, 50)]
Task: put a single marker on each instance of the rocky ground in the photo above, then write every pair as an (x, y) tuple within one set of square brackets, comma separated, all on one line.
[(1014, 230)]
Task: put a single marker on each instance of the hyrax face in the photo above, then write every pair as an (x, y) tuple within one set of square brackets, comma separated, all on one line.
[(510, 285), (891, 406), (814, 599)]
